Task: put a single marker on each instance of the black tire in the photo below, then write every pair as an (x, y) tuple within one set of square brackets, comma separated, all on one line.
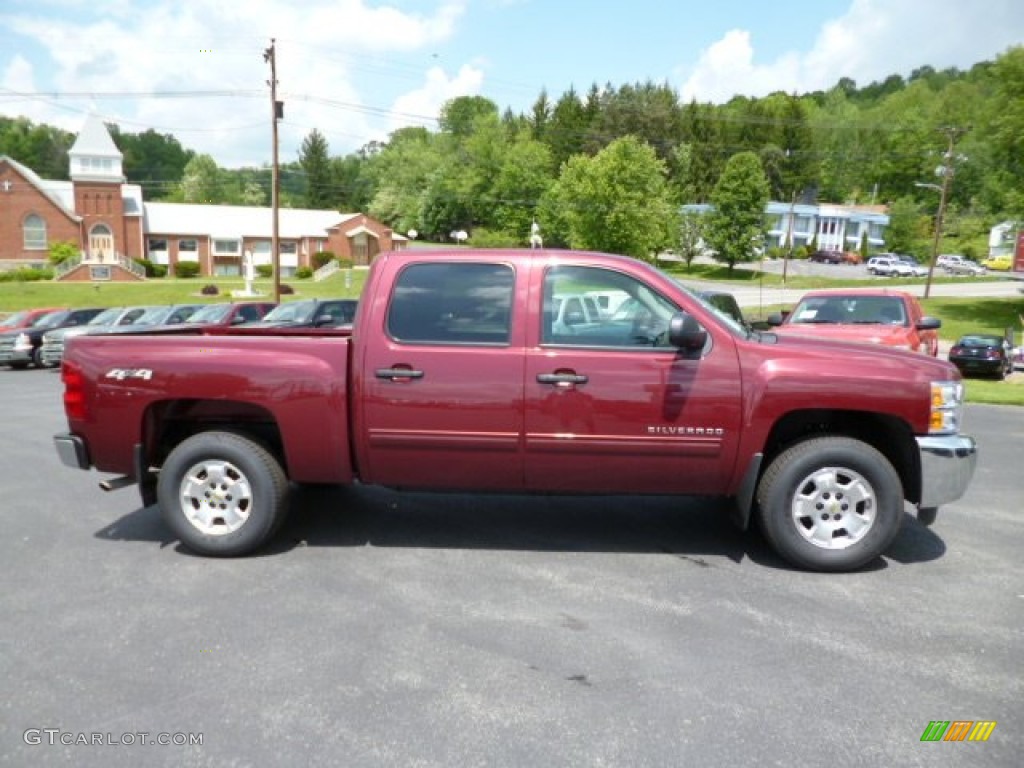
[(222, 494), (830, 504)]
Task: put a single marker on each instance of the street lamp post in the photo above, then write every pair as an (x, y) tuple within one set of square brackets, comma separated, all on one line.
[(943, 191)]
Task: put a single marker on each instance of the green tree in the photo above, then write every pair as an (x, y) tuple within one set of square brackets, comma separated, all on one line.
[(735, 227), (691, 237), (200, 182), (63, 250), (458, 116), (314, 157), (904, 230), (617, 201)]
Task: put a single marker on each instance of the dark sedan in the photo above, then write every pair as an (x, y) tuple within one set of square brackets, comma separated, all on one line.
[(826, 257), (982, 353)]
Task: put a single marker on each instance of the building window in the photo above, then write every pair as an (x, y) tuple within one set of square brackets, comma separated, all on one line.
[(289, 248), (35, 233), (157, 244), (227, 247), (189, 246)]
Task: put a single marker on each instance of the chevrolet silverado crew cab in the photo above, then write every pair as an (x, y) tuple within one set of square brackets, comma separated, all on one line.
[(457, 376)]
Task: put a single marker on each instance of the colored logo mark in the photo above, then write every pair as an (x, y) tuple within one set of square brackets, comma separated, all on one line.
[(958, 730)]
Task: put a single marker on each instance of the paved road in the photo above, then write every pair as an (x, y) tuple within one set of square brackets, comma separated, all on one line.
[(748, 295), (415, 630)]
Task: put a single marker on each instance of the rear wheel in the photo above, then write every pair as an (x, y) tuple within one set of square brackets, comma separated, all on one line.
[(222, 494), (830, 504)]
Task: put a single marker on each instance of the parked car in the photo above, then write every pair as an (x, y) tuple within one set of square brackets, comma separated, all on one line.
[(308, 313), (984, 353), (227, 313), (152, 316), (726, 304), (826, 257), (872, 315), (916, 268), (1003, 263), (21, 348), (25, 318), (954, 264)]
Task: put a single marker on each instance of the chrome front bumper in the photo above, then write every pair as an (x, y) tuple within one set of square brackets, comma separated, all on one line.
[(947, 466)]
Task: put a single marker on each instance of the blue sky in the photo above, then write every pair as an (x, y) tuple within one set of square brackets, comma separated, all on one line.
[(358, 69)]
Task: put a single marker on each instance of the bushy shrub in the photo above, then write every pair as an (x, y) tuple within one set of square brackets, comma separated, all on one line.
[(186, 269), (345, 262), (285, 288), (265, 270), (159, 270), (320, 258), (210, 290), (303, 273), (63, 250), (25, 275)]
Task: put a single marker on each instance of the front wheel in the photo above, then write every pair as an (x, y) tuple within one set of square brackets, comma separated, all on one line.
[(222, 494), (830, 504)]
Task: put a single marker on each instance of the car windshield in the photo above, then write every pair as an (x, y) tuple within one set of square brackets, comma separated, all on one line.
[(152, 316), (106, 317), (293, 311), (885, 310), (14, 320), (48, 320), (211, 313)]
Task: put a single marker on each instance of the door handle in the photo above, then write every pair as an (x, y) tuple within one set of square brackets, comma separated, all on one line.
[(398, 373), (562, 379)]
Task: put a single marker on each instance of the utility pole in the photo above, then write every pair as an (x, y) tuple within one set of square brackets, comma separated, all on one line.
[(946, 169), (276, 113), (789, 239)]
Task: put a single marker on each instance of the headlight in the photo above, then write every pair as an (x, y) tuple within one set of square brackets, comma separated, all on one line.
[(947, 407), (21, 341)]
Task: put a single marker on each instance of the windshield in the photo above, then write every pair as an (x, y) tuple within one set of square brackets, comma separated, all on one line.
[(850, 310), (106, 317), (14, 320), (151, 316), (50, 320), (211, 313), (294, 311)]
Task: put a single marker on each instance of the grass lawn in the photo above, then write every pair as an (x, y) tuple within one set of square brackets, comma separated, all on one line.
[(959, 316)]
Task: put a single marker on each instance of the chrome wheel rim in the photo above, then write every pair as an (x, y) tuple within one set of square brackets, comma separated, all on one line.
[(216, 497), (834, 508)]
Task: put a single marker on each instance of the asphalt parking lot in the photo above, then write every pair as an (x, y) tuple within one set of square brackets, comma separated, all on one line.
[(430, 630)]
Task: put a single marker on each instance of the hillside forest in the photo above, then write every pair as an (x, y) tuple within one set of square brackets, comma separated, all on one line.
[(609, 168)]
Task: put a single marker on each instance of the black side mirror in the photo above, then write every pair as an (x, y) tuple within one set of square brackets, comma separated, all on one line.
[(322, 321), (928, 323), (686, 333), (775, 319)]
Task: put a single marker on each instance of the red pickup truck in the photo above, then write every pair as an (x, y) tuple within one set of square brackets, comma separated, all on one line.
[(459, 376)]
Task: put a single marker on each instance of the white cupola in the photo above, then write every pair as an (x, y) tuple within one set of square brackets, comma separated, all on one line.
[(94, 156)]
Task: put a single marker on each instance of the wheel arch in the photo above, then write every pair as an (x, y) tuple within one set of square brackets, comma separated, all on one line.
[(889, 435)]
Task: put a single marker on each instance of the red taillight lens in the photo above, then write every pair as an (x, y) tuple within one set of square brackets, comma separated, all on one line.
[(955, 351), (74, 391)]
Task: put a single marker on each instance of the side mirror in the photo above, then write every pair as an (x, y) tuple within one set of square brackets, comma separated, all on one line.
[(774, 319), (928, 323), (322, 321), (686, 333)]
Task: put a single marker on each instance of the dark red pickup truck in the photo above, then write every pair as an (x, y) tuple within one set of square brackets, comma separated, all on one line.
[(458, 376)]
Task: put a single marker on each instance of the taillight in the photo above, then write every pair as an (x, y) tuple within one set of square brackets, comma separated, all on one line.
[(955, 351), (992, 353), (74, 391)]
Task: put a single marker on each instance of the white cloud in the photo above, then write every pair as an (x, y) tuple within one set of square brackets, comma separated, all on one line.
[(332, 69), (872, 40), (438, 88)]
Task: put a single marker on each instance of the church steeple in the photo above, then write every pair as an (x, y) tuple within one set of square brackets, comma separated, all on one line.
[(94, 156)]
